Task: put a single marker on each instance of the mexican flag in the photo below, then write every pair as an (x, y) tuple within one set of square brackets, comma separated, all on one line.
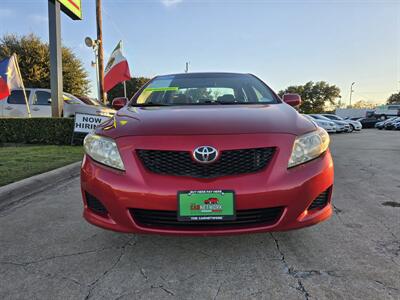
[(117, 69)]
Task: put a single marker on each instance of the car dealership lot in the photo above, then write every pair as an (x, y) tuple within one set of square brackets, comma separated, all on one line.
[(48, 251)]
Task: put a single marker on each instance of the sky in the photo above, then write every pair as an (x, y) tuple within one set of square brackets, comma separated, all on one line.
[(282, 42)]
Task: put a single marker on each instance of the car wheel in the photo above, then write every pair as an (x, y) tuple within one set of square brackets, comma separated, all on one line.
[(351, 129)]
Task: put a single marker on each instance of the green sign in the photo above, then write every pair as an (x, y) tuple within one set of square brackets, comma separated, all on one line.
[(206, 206), (72, 8)]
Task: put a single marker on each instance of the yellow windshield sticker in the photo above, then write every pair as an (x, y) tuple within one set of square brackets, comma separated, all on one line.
[(161, 89)]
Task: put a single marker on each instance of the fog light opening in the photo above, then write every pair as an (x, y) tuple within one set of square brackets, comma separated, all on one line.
[(321, 201), (95, 205)]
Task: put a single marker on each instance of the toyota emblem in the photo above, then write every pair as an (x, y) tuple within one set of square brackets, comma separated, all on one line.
[(205, 154)]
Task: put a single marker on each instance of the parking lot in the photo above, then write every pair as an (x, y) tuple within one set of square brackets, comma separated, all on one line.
[(48, 251)]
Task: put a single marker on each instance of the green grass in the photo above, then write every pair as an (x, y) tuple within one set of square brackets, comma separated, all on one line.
[(21, 161)]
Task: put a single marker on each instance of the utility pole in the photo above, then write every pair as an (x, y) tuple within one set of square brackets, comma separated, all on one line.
[(187, 67), (56, 80), (100, 52), (351, 92)]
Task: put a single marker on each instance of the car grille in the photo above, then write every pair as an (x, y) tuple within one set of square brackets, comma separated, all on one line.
[(169, 219), (230, 162), (321, 201)]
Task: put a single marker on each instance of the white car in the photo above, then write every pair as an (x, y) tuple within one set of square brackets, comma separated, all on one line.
[(355, 125), (40, 105), (328, 126)]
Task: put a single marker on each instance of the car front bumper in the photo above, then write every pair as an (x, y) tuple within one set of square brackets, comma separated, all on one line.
[(330, 129), (293, 189)]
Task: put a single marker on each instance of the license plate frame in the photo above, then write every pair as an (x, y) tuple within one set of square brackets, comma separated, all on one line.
[(206, 205)]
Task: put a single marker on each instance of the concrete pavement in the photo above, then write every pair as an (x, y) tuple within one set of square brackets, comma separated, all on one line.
[(47, 251)]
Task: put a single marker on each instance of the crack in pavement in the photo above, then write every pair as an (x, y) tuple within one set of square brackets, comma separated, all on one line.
[(27, 263), (93, 284), (143, 274), (300, 287), (169, 292), (337, 212), (219, 289), (309, 273), (46, 274), (386, 286)]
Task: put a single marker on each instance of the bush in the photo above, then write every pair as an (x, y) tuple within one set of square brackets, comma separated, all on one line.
[(50, 131)]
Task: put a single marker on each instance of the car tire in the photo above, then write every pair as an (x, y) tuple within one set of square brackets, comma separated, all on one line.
[(351, 128)]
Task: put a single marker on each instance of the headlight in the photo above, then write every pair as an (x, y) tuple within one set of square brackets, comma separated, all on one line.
[(104, 150), (308, 147), (332, 124)]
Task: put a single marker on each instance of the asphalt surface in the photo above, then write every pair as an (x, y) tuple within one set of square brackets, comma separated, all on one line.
[(47, 251)]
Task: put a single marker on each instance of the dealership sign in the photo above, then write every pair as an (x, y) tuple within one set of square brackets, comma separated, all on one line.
[(86, 123), (73, 8)]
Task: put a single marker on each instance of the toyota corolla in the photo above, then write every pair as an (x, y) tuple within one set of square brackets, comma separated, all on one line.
[(206, 154)]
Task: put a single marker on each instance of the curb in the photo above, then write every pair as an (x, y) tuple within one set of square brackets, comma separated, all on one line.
[(16, 191)]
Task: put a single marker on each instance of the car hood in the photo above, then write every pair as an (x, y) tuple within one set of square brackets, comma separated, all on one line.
[(205, 120)]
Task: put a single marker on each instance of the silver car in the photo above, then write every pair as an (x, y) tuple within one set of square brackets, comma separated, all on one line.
[(40, 105), (330, 127), (341, 126), (354, 125)]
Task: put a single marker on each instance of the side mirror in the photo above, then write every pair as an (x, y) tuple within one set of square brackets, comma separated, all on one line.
[(119, 102), (292, 99)]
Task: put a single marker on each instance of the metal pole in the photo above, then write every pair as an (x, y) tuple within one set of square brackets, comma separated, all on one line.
[(125, 89), (97, 72), (23, 86), (100, 50), (351, 92), (56, 81)]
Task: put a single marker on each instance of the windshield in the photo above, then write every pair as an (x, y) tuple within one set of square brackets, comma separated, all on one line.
[(214, 88), (89, 101), (333, 117)]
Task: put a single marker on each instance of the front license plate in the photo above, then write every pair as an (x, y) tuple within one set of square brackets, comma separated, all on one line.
[(206, 205)]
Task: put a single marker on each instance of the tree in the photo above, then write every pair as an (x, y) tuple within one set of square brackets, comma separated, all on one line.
[(34, 62), (363, 104), (314, 96), (132, 86), (394, 98)]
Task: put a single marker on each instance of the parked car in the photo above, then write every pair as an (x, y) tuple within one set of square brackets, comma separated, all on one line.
[(187, 137), (391, 124), (368, 122), (330, 127), (341, 126), (354, 125), (40, 105), (381, 125), (397, 126)]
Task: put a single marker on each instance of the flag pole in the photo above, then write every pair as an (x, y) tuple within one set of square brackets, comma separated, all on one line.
[(23, 86), (125, 80)]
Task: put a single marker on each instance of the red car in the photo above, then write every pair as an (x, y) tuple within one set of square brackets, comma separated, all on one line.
[(188, 137)]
